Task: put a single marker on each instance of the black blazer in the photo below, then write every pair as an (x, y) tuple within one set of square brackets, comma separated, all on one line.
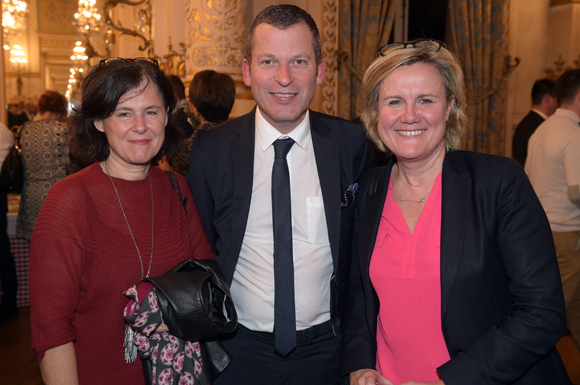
[(221, 174), (522, 136), (502, 305)]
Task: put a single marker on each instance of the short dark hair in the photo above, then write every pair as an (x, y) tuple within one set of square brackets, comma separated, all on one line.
[(567, 86), (53, 101), (284, 16), (213, 94), (177, 85), (541, 88), (104, 85)]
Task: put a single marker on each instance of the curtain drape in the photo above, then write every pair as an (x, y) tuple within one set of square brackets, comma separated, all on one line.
[(480, 38), (364, 26)]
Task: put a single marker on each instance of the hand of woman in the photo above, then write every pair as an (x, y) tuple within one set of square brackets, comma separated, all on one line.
[(161, 328), (368, 377)]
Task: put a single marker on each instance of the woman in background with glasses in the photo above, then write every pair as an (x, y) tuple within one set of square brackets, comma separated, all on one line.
[(455, 279), (108, 226)]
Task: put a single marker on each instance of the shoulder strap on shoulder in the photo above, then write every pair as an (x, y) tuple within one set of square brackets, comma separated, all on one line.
[(376, 173), (175, 185)]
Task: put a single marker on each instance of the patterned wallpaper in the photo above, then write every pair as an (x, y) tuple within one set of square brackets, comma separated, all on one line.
[(56, 15)]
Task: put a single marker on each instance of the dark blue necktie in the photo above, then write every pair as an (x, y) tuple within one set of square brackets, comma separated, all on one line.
[(284, 309)]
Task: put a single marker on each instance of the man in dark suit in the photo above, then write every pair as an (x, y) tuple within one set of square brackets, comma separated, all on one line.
[(235, 177), (544, 104)]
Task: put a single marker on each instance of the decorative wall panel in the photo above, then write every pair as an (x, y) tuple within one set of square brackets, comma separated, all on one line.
[(56, 15), (214, 39), (329, 48)]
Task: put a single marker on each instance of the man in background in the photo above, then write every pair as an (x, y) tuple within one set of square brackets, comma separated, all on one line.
[(543, 105), (553, 166)]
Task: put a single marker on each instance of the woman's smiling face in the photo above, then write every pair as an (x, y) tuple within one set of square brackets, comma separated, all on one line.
[(413, 111), (136, 130)]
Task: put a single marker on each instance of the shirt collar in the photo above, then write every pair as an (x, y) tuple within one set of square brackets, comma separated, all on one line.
[(267, 134), (540, 113), (569, 113)]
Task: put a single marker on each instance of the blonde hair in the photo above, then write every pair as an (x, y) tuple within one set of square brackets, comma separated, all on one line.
[(429, 52)]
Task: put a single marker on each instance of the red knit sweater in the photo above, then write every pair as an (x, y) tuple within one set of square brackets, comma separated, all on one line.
[(82, 258)]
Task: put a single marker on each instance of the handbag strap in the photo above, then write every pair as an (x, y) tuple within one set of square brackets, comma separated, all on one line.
[(175, 185)]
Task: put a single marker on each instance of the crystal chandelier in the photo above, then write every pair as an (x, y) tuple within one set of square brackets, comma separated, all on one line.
[(14, 19), (87, 18)]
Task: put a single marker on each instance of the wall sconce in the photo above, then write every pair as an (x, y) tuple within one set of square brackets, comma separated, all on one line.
[(142, 24), (19, 61)]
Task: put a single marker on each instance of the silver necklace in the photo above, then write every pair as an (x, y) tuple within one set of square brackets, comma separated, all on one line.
[(129, 227), (129, 342), (410, 200)]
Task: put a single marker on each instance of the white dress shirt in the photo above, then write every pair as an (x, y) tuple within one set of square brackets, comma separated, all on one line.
[(252, 286)]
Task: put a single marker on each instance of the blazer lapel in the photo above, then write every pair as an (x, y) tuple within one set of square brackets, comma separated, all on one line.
[(242, 150), (456, 191), (370, 219), (328, 166)]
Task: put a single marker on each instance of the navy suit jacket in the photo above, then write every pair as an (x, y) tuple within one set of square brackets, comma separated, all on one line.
[(522, 135), (221, 174), (502, 306)]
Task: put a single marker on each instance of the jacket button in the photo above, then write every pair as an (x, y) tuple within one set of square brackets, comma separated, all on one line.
[(457, 351)]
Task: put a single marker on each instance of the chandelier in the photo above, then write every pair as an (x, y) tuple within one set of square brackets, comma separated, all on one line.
[(87, 18), (14, 19), (79, 52)]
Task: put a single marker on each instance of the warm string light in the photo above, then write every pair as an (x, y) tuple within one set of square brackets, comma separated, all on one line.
[(76, 72)]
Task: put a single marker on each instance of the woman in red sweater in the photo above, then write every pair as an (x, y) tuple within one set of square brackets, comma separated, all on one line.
[(108, 226)]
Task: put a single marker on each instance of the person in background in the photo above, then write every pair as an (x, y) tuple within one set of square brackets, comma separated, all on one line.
[(455, 279), (553, 166), (276, 190), (108, 226), (45, 158), (183, 117), (16, 117), (8, 278), (544, 104), (211, 98), (30, 109)]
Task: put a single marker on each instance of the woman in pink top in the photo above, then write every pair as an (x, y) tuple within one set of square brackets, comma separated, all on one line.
[(455, 278)]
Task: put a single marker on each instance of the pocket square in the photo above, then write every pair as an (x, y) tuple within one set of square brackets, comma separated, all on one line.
[(349, 196)]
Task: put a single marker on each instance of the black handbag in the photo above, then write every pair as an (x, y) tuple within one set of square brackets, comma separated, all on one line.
[(195, 300), (12, 172), (196, 305)]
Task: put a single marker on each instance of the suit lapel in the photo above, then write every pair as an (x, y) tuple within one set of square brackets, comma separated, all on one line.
[(371, 218), (242, 150), (328, 167), (456, 191)]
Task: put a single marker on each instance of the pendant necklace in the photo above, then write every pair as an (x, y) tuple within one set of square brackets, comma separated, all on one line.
[(400, 197), (410, 200), (129, 344)]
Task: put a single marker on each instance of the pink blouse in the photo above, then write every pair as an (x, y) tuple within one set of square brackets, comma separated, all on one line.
[(405, 272)]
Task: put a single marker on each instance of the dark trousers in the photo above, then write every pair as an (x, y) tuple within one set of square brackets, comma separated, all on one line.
[(7, 267), (314, 361)]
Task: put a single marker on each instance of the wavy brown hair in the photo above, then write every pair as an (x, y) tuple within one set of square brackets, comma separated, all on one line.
[(102, 89)]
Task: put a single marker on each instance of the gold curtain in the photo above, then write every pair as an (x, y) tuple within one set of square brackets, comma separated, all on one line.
[(480, 38), (364, 26)]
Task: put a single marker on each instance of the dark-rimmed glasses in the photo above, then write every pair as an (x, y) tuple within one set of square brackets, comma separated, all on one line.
[(110, 60), (413, 44)]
